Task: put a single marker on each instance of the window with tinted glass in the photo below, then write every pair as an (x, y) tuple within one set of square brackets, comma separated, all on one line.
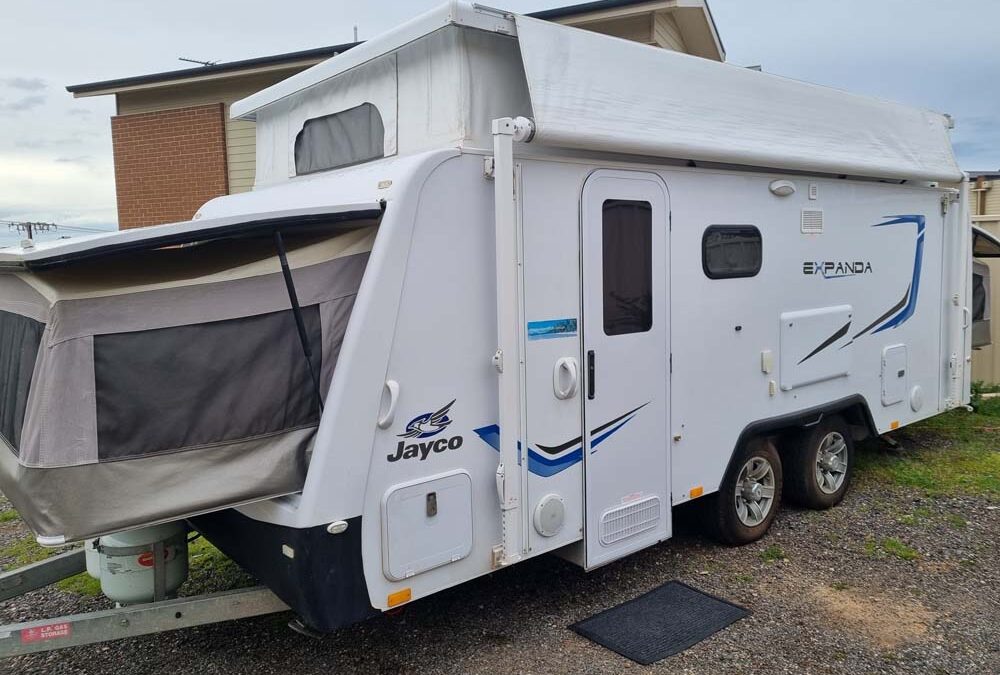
[(342, 139), (628, 266), (731, 251)]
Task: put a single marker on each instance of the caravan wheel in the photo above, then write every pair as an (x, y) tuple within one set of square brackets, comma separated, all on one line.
[(748, 499), (819, 463)]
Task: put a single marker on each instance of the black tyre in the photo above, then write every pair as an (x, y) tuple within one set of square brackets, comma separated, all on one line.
[(748, 499), (819, 462)]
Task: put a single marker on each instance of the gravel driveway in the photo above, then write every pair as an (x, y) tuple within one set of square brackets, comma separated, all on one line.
[(891, 581)]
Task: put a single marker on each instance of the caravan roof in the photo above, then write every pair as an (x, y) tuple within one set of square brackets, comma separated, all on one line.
[(595, 92)]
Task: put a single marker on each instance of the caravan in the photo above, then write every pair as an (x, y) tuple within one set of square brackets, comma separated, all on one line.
[(504, 288)]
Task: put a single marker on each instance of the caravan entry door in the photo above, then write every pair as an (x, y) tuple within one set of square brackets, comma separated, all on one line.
[(625, 238)]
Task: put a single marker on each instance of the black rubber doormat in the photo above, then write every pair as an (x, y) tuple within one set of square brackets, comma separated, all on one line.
[(663, 622)]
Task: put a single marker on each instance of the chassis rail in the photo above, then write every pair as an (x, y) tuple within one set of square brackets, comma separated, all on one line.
[(114, 624)]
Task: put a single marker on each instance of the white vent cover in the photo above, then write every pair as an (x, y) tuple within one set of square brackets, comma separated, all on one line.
[(812, 221), (629, 520)]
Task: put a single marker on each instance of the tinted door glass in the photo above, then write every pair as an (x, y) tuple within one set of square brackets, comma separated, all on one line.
[(628, 266)]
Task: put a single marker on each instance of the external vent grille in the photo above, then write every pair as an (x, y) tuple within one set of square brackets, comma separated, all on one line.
[(629, 520), (812, 221)]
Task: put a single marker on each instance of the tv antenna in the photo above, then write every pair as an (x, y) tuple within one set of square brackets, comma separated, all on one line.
[(29, 228), (200, 63)]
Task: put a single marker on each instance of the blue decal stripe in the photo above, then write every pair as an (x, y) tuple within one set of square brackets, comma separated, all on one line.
[(594, 442), (540, 465), (918, 258), (490, 435), (543, 466), (911, 305)]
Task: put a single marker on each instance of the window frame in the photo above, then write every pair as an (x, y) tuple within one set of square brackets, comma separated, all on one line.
[(731, 228)]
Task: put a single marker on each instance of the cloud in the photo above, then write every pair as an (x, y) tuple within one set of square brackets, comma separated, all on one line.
[(77, 138), (39, 189), (32, 144), (22, 104), (25, 83), (80, 112), (80, 159)]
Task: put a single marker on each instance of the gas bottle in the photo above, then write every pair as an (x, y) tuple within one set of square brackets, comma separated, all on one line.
[(93, 557), (127, 574)]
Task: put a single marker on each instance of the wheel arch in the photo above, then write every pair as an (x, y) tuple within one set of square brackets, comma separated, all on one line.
[(853, 408)]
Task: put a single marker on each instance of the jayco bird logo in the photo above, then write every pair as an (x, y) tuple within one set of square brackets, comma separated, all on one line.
[(425, 426), (428, 424)]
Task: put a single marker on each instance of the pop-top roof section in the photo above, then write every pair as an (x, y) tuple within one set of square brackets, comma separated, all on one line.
[(594, 92), (453, 13)]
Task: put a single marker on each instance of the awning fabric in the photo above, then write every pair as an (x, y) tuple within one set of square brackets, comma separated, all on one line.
[(602, 93)]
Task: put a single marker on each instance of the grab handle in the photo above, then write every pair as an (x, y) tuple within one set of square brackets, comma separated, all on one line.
[(590, 374), (386, 418), (566, 369), (966, 317)]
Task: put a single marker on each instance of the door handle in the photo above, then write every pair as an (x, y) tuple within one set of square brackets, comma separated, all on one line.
[(590, 375), (966, 317), (566, 369), (386, 418)]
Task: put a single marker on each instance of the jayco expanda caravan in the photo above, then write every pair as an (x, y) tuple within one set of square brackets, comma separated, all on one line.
[(503, 288)]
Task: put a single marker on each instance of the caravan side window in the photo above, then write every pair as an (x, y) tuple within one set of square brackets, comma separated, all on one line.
[(341, 139), (628, 266), (731, 251)]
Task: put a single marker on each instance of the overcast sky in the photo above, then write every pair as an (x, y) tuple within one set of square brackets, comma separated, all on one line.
[(55, 151)]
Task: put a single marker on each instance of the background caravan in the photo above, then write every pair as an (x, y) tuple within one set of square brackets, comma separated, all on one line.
[(495, 296)]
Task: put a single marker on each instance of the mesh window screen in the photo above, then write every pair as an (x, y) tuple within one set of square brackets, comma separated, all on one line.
[(349, 137), (176, 388), (20, 338), (628, 266)]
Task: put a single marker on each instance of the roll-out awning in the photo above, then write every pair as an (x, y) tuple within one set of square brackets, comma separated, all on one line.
[(597, 92)]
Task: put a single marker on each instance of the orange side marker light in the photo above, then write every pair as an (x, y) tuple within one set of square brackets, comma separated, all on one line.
[(399, 597)]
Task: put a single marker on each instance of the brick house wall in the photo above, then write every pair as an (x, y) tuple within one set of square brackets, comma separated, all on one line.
[(168, 163)]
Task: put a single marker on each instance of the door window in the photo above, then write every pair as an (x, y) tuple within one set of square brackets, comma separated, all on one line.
[(628, 266)]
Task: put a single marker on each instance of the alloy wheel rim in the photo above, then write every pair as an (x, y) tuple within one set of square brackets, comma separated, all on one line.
[(831, 463), (755, 489)]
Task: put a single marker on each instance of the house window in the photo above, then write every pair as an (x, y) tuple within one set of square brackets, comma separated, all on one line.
[(731, 251), (341, 139), (628, 266)]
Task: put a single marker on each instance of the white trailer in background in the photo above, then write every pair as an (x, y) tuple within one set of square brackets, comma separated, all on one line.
[(599, 280)]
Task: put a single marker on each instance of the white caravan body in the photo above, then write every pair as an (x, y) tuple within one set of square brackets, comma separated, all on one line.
[(569, 322)]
